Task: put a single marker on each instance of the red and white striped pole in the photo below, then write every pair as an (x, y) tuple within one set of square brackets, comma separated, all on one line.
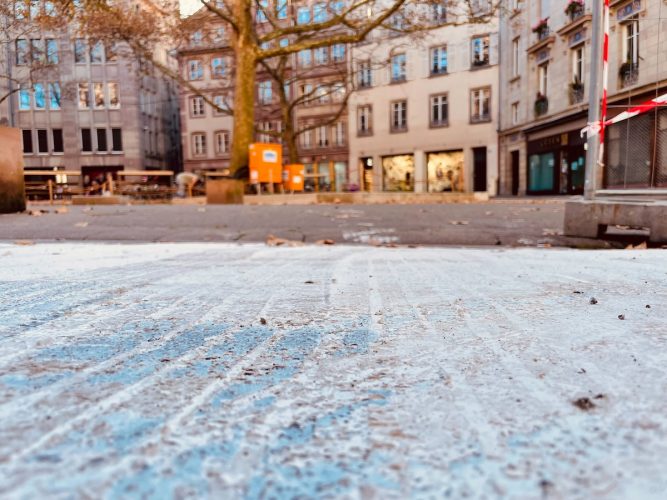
[(605, 80)]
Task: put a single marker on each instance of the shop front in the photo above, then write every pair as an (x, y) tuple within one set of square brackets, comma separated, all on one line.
[(398, 173), (556, 164), (445, 171)]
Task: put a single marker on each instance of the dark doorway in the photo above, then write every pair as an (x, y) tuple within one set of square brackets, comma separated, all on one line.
[(515, 173), (479, 169)]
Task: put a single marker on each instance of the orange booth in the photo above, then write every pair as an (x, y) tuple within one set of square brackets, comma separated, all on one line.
[(293, 177), (266, 163)]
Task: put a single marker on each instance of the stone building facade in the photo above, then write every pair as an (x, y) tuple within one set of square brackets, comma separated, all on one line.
[(88, 107), (544, 68), (426, 111)]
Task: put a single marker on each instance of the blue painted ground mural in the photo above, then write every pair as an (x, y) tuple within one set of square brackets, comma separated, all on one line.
[(220, 371)]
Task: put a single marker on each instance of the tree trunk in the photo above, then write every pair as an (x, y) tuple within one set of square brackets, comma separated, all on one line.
[(289, 134), (244, 87)]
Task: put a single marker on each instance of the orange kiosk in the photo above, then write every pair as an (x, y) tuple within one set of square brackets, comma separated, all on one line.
[(266, 164), (293, 177)]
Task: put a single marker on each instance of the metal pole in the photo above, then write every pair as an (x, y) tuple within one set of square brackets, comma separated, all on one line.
[(594, 96)]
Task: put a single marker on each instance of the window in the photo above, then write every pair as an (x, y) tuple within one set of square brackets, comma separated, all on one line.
[(21, 51), (20, 10), (543, 75), (116, 139), (515, 113), (57, 136), (480, 50), (114, 95), (320, 12), (322, 94), (515, 57), (222, 142), (303, 15), (338, 52), (86, 140), (219, 101), (338, 134), (281, 9), (24, 98), (439, 12), (304, 58), (321, 136), (102, 140), (321, 55), (42, 141), (219, 35), (199, 144), (307, 139), (365, 74), (218, 67), (265, 126), (398, 68), (27, 141), (51, 51), (578, 65), (80, 51), (37, 51), (98, 93), (262, 7), (306, 91), (197, 106), (97, 53), (480, 105), (399, 116), (196, 38), (338, 92), (34, 8), (265, 92), (439, 60), (40, 96), (365, 120), (284, 42), (195, 69), (515, 5), (439, 110), (631, 42), (110, 52)]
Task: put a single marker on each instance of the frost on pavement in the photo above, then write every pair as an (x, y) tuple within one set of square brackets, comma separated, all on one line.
[(160, 371)]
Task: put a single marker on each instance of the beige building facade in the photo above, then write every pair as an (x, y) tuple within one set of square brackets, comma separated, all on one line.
[(544, 71), (424, 114)]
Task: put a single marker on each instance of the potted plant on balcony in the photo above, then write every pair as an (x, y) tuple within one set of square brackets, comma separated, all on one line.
[(541, 104), (625, 69), (542, 28), (576, 91), (574, 9)]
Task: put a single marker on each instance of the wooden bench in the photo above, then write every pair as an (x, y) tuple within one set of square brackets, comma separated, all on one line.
[(139, 186)]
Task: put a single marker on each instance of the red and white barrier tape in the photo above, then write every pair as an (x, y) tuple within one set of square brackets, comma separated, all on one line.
[(605, 78), (596, 128)]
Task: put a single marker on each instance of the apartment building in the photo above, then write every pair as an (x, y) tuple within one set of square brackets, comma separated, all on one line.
[(312, 89), (426, 110), (544, 68), (86, 106)]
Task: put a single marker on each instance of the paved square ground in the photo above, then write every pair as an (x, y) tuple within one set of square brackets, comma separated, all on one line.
[(190, 370)]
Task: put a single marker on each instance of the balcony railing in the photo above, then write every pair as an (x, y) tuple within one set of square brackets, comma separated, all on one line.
[(576, 94), (629, 74), (541, 106)]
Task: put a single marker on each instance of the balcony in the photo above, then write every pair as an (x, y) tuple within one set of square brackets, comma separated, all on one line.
[(541, 105), (629, 74), (576, 93), (543, 37)]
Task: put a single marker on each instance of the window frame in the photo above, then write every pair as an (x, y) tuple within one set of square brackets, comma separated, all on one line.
[(401, 127), (442, 122)]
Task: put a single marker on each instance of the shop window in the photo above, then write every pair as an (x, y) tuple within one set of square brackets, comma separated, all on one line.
[(445, 172), (398, 173), (541, 172)]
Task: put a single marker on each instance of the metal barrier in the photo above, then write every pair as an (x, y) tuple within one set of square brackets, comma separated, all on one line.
[(636, 152)]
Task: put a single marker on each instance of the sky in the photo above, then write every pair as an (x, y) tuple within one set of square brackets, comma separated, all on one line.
[(189, 6)]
